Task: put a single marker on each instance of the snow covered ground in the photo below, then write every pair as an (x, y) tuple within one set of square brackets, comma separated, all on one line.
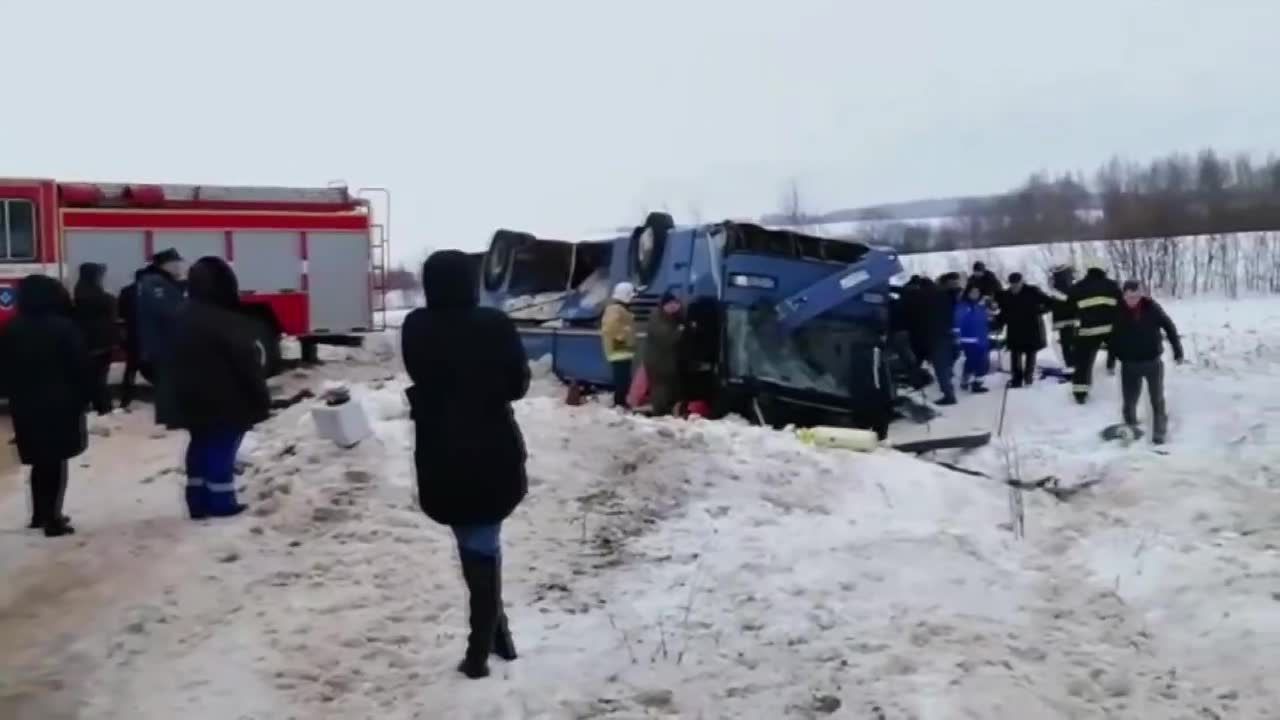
[(690, 570)]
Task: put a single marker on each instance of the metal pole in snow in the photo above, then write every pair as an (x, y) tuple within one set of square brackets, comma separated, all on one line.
[(1017, 516)]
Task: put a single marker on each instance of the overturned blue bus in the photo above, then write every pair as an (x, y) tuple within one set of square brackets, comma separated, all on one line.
[(799, 321)]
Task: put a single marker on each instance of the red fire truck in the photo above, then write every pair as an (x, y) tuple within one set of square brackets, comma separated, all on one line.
[(311, 261)]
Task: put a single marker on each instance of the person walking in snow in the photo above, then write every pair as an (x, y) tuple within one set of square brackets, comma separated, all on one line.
[(468, 366), (986, 282), (618, 335), (133, 363), (912, 298), (973, 328), (159, 298), (1021, 309), (662, 354), (1096, 299), (700, 356), (1065, 322), (1137, 344), (937, 305), (50, 384), (95, 313), (218, 379)]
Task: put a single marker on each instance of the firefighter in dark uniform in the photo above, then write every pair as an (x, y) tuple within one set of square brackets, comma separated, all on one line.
[(1065, 322), (1096, 299)]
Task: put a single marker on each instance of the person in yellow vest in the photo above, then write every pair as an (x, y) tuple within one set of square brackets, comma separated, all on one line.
[(618, 334)]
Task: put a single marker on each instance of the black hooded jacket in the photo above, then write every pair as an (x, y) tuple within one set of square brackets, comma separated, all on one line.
[(937, 308), (127, 309), (95, 310), (218, 375), (47, 373), (467, 366)]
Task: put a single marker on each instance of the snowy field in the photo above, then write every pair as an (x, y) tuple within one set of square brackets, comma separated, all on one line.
[(682, 570)]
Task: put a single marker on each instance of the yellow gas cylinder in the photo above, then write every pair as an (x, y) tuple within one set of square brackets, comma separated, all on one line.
[(842, 438)]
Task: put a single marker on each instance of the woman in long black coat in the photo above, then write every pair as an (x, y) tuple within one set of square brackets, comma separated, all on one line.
[(1022, 308), (96, 317), (49, 386), (468, 366)]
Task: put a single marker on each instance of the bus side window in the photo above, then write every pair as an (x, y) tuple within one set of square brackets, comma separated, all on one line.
[(17, 230)]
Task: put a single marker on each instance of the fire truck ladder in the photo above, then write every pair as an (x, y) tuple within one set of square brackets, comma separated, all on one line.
[(379, 256)]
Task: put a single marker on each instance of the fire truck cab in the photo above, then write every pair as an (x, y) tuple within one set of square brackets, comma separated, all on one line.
[(311, 261)]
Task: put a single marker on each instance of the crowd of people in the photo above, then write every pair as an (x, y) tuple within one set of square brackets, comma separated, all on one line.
[(951, 323), (186, 333), (943, 320), (676, 374), (182, 331)]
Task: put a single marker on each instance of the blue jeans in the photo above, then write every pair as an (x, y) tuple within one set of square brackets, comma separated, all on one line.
[(943, 360), (484, 540), (211, 472)]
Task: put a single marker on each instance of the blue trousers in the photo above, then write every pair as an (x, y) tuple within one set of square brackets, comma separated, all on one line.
[(211, 472), (484, 540), (977, 361)]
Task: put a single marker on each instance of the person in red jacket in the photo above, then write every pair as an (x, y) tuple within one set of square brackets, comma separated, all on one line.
[(1137, 343)]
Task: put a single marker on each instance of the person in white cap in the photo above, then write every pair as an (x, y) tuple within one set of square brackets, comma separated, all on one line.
[(617, 333)]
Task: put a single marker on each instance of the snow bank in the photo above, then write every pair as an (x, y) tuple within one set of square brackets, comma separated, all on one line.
[(683, 569)]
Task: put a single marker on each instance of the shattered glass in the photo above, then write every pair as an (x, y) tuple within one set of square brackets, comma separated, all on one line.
[(816, 357)]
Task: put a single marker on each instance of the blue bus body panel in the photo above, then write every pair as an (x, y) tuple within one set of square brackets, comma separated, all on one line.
[(863, 281), (797, 276), (576, 355)]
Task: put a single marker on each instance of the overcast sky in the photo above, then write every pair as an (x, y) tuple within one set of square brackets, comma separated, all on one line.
[(560, 117)]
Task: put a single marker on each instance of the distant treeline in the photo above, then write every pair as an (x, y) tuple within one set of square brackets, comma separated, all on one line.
[(1176, 196)]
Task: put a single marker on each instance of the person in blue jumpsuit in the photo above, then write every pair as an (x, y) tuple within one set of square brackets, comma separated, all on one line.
[(973, 329)]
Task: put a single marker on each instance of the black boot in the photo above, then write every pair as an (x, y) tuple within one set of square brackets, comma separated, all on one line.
[(56, 524), (503, 645), (36, 524), (58, 529), (481, 575)]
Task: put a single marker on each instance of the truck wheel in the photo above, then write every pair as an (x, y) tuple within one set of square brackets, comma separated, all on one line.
[(497, 262), (268, 342), (647, 243)]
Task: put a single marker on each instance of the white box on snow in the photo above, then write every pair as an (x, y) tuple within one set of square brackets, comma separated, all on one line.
[(346, 424)]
